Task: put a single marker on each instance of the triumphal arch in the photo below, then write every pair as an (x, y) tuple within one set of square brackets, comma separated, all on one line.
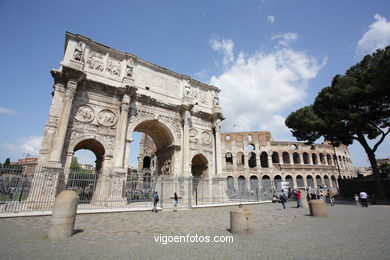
[(102, 95)]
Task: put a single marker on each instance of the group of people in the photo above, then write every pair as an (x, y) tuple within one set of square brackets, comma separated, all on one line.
[(361, 199), (282, 198), (156, 199)]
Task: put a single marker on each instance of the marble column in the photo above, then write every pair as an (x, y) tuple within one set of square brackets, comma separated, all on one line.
[(186, 143), (122, 127), (218, 148), (58, 144), (270, 164), (301, 158), (52, 122), (281, 158)]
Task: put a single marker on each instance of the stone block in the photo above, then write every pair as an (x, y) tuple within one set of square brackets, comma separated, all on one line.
[(64, 215), (318, 208), (241, 221)]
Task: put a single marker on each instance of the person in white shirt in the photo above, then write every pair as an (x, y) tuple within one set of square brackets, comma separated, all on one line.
[(363, 198)]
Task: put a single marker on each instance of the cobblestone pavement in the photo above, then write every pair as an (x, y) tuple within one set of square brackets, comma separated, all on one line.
[(348, 233)]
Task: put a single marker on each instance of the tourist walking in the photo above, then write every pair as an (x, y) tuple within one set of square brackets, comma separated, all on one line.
[(298, 197), (363, 198), (356, 197), (155, 200), (283, 200), (175, 199), (331, 197)]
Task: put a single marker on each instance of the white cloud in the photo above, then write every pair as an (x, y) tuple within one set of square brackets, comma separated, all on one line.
[(285, 39), (31, 145), (7, 111), (224, 46), (24, 147), (258, 88), (377, 36), (270, 18)]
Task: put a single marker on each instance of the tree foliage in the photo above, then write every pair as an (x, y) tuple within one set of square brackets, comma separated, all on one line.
[(355, 107)]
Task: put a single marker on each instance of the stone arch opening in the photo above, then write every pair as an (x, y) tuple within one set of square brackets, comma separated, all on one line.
[(326, 181), (84, 180), (296, 158), (290, 180), (286, 158), (264, 160), (309, 181), (334, 182), (275, 157), (277, 179), (146, 163), (241, 184), (318, 181), (229, 159), (314, 158), (250, 147), (160, 154), (306, 158), (252, 160), (95, 147), (300, 181), (199, 166), (266, 183), (230, 183), (254, 183)]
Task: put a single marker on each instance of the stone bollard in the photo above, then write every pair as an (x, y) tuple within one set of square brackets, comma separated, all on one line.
[(64, 215), (318, 208), (304, 199), (241, 221)]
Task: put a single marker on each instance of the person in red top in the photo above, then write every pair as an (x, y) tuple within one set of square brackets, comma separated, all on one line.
[(298, 197)]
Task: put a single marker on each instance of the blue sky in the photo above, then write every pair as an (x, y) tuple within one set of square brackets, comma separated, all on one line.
[(268, 57)]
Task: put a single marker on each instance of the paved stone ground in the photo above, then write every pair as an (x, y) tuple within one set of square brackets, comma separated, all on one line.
[(348, 233)]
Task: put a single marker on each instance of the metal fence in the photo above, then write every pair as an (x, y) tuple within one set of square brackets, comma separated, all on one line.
[(36, 192)]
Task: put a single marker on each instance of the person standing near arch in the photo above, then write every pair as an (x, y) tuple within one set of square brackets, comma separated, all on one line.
[(155, 200)]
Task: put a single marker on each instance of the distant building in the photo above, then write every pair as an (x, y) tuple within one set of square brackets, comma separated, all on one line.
[(364, 171), (383, 161), (87, 167), (28, 165)]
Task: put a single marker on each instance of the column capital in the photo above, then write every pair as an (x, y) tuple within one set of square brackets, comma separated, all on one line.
[(187, 117), (59, 87), (125, 102), (71, 88), (217, 124)]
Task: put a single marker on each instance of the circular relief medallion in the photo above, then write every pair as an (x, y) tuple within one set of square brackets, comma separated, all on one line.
[(206, 138), (106, 117), (84, 113)]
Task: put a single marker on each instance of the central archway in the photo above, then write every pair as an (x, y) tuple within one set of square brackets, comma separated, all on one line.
[(163, 140)]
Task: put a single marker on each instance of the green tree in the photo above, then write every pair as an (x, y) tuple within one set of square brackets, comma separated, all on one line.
[(7, 163), (74, 165), (355, 107)]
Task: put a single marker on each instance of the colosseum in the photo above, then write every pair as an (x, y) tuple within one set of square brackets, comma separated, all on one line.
[(253, 160)]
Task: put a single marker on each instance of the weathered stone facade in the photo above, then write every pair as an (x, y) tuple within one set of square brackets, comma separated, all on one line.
[(101, 96), (249, 158)]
